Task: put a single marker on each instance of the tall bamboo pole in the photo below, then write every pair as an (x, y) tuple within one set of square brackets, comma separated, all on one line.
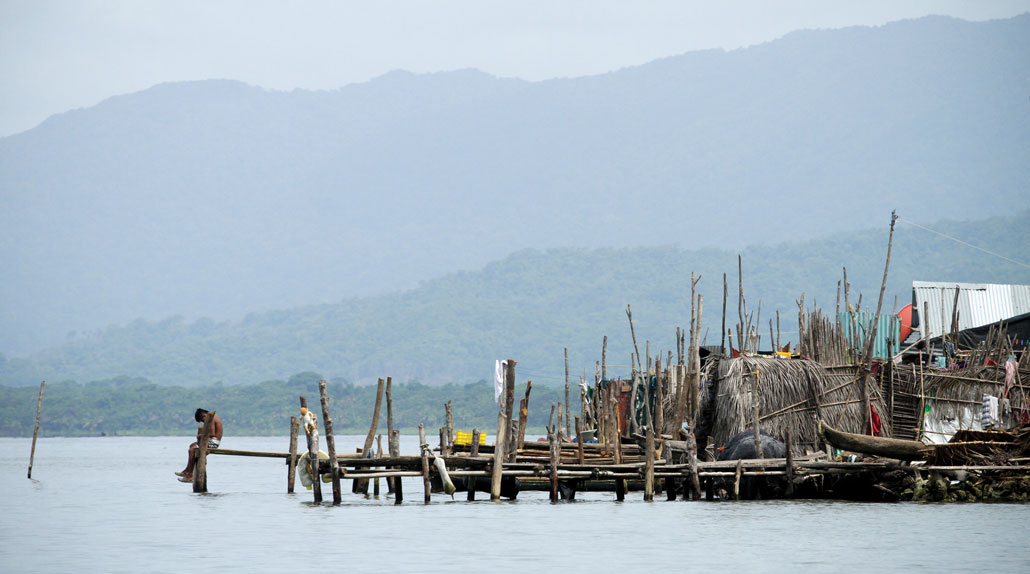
[(392, 440), (568, 420), (633, 334), (867, 353), (725, 294), (35, 433), (360, 486), (509, 406)]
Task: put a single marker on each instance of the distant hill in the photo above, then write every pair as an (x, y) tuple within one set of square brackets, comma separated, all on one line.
[(215, 198), (531, 305)]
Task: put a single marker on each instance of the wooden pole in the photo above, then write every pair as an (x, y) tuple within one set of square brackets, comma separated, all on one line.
[(498, 464), (742, 334), (360, 486), (375, 417), (35, 433), (659, 398), (509, 405), (604, 359), (450, 427), (379, 454), (725, 295), (579, 441), (847, 293), (953, 333), (649, 467), (398, 482), (524, 415), (633, 333), (867, 353), (568, 421), (693, 390), (474, 453), (424, 449), (200, 471), (561, 423), (777, 330), (291, 466), (616, 434), (754, 414), (330, 442), (790, 465), (391, 441), (552, 440)]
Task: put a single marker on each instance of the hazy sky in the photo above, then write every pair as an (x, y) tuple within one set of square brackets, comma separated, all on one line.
[(61, 55)]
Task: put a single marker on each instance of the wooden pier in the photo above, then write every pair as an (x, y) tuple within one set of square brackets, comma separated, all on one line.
[(624, 463)]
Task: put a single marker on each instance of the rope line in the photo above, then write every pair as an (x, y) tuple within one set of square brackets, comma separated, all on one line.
[(965, 243)]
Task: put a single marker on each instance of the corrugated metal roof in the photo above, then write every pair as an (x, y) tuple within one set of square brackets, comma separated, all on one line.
[(888, 331), (978, 304)]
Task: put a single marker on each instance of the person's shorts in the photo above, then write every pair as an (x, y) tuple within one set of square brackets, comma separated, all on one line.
[(213, 443)]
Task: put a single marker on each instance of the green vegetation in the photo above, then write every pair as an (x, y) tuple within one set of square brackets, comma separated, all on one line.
[(529, 306), (128, 406)]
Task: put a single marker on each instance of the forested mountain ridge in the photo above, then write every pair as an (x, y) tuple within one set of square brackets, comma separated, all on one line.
[(529, 306), (214, 198)]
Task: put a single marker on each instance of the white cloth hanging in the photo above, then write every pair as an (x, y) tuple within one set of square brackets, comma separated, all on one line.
[(499, 367), (989, 412)]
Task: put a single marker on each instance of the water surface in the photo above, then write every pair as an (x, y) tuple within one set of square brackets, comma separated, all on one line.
[(113, 505)]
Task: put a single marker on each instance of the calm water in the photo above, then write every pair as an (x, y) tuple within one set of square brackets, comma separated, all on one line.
[(113, 505)]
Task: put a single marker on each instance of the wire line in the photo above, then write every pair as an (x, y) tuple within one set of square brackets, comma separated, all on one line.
[(965, 243)]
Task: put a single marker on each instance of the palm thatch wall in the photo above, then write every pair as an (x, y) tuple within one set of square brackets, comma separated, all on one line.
[(791, 393), (953, 398)]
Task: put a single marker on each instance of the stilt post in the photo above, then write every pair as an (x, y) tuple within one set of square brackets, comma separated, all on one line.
[(424, 448), (200, 471), (649, 467), (35, 433), (330, 442), (291, 463)]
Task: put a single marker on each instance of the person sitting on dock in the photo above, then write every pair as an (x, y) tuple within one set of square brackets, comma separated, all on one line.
[(186, 475)]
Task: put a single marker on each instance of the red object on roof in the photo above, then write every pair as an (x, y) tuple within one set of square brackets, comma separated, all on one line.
[(906, 321)]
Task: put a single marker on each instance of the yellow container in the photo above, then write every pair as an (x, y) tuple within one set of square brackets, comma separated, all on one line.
[(465, 438)]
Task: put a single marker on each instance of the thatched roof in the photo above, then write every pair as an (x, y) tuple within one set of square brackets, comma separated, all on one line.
[(791, 393)]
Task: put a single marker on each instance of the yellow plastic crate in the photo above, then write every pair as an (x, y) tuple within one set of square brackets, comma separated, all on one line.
[(465, 438)]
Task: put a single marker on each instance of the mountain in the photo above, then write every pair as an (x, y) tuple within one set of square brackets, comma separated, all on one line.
[(218, 199), (531, 305)]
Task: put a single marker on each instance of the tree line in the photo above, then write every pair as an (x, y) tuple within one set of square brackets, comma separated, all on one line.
[(127, 406)]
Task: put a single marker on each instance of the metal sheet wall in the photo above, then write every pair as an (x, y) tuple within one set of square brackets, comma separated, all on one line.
[(978, 303)]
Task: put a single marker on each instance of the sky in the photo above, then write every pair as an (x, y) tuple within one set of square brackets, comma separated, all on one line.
[(58, 55)]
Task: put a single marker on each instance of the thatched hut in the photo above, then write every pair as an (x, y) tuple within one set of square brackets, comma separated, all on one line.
[(793, 394), (947, 401)]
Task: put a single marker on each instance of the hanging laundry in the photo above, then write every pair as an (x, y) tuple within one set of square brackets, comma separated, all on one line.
[(989, 411), (1010, 375), (876, 426), (499, 367)]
